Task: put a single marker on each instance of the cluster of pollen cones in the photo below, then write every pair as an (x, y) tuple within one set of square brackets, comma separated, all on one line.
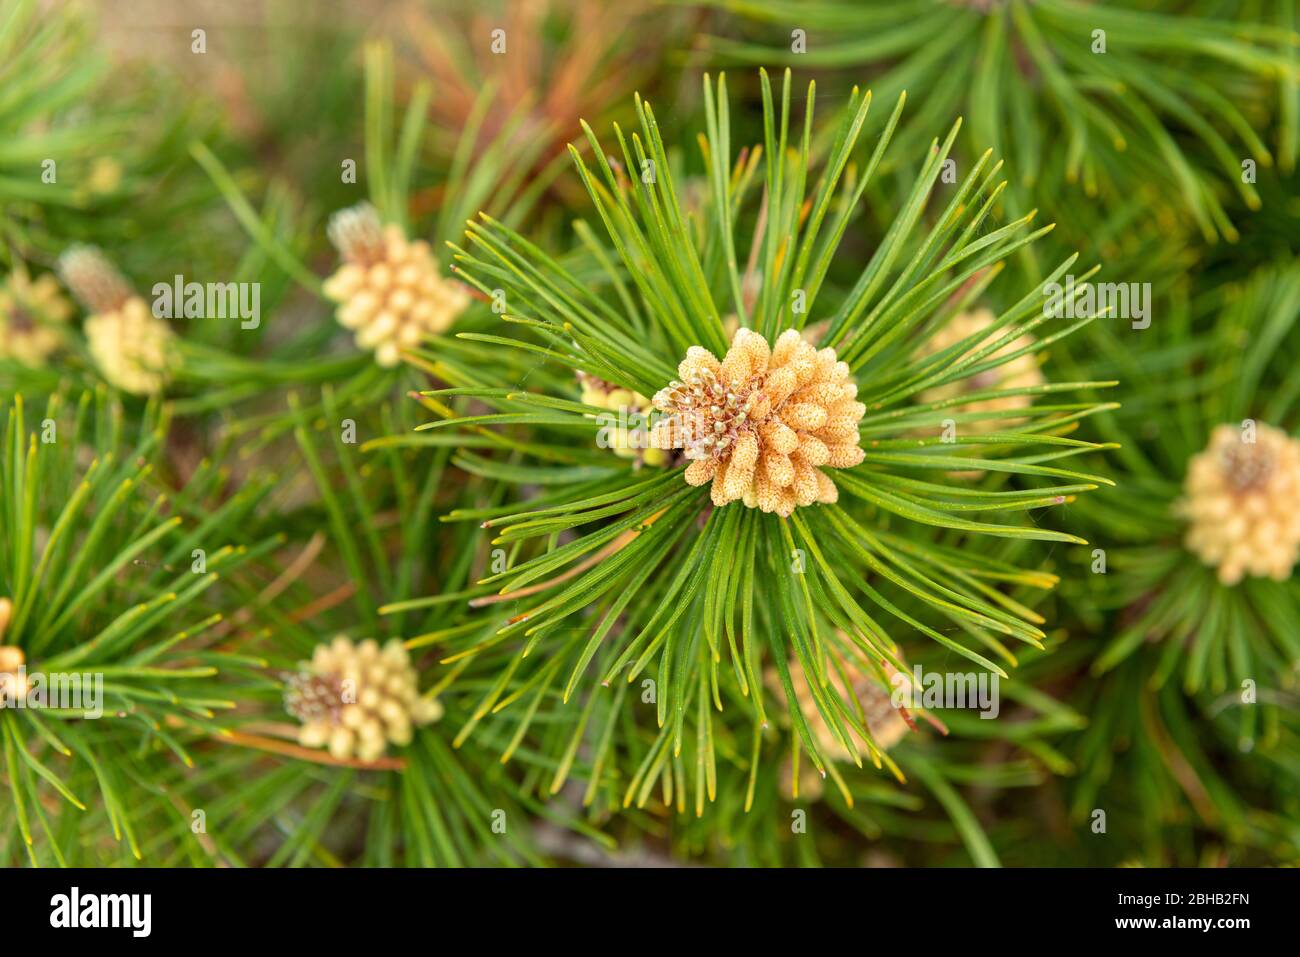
[(389, 290), (885, 721), (1240, 497), (356, 698), (134, 350), (764, 422), (33, 316), (1020, 372)]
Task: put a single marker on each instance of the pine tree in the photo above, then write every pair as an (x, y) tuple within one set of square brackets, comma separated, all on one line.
[(600, 483)]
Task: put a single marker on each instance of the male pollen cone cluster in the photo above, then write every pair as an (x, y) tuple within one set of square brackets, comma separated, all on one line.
[(133, 349), (389, 290), (763, 422), (887, 724), (1018, 373), (1241, 498), (33, 317), (625, 438), (355, 698)]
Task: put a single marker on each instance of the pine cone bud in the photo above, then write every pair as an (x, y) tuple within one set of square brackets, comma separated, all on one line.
[(355, 698), (1240, 497), (33, 318), (762, 423), (94, 280), (389, 291)]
